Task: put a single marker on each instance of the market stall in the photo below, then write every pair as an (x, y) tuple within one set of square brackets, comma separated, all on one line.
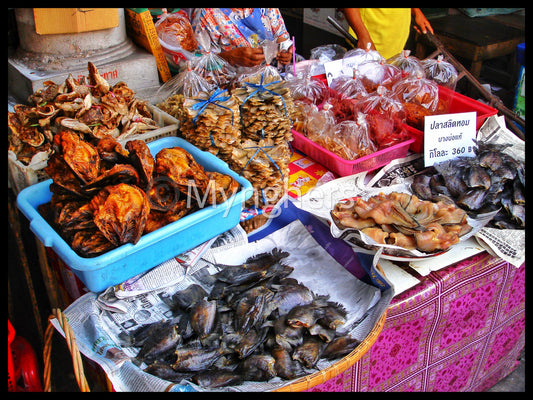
[(264, 229)]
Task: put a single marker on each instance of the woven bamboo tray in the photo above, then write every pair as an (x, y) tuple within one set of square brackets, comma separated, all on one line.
[(304, 383), (317, 378)]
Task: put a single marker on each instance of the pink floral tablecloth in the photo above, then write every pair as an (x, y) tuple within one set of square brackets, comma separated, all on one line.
[(461, 329)]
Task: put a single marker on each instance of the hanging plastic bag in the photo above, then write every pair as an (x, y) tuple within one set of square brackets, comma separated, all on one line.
[(441, 72), (176, 38), (210, 65), (408, 64), (374, 74)]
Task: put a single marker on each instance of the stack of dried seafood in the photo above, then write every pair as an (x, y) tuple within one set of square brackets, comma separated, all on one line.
[(250, 322), (209, 121), (403, 220), (249, 129), (104, 196), (93, 109), (489, 181)]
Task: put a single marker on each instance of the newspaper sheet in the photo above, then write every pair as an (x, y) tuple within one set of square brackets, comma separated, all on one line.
[(99, 324), (397, 176)]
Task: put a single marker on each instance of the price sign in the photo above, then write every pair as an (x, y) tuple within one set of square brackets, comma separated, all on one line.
[(448, 136)]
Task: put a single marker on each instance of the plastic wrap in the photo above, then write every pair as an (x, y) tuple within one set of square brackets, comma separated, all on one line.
[(268, 72), (441, 72), (349, 86), (355, 57), (210, 65), (188, 83), (355, 138), (407, 63), (420, 97), (304, 88), (374, 74), (176, 38), (382, 102)]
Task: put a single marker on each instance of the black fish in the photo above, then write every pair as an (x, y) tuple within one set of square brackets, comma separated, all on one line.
[(285, 366), (309, 352), (217, 378), (340, 346)]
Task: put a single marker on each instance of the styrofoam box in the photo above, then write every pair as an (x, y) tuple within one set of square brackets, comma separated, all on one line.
[(21, 176), (126, 261)]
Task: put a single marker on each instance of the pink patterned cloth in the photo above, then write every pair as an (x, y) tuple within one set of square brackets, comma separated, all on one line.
[(461, 329)]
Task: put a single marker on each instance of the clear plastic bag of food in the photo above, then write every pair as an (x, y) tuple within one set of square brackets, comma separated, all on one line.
[(440, 71), (266, 71), (419, 90), (409, 65), (328, 52), (420, 97), (350, 86), (374, 74), (381, 102), (176, 38), (187, 82), (210, 65), (320, 124), (303, 87), (355, 57), (355, 138)]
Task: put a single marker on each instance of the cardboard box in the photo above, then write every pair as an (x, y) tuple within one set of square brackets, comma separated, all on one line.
[(140, 28), (74, 20)]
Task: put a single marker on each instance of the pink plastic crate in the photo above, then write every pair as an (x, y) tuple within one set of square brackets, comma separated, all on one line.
[(344, 167), (458, 103)]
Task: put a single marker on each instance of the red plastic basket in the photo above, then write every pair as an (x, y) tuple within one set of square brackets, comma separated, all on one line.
[(344, 167), (457, 103), (22, 366)]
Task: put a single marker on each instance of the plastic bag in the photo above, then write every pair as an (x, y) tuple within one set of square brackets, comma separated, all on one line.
[(355, 138), (418, 90), (381, 102), (355, 57), (407, 63), (440, 71), (176, 38), (349, 86), (188, 83), (328, 52), (268, 72), (304, 88), (211, 66), (420, 97), (374, 74)]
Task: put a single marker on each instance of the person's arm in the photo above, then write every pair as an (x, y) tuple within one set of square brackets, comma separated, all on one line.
[(353, 17), (243, 56), (420, 22)]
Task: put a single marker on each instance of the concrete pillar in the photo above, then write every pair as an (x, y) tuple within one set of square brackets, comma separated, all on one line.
[(53, 56)]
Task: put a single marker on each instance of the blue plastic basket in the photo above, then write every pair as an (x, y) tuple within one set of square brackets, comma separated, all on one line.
[(126, 261)]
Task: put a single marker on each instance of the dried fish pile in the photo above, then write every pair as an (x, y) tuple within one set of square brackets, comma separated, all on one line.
[(403, 220), (214, 128), (249, 129), (489, 181), (92, 108), (254, 324), (104, 195)]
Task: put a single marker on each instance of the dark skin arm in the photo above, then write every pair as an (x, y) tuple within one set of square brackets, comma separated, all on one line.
[(252, 56), (353, 16)]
